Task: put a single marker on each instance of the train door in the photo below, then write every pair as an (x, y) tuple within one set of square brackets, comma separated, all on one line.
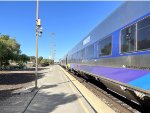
[(66, 60)]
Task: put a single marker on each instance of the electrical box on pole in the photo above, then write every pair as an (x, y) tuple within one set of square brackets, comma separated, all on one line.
[(39, 22)]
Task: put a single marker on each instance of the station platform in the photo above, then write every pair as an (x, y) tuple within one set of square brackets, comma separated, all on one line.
[(59, 92)]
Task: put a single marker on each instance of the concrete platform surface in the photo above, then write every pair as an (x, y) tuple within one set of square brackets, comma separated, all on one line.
[(57, 94)]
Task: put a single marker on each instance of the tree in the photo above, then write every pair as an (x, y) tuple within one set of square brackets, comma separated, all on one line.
[(9, 50), (32, 59), (40, 59), (2, 51), (46, 62), (22, 59)]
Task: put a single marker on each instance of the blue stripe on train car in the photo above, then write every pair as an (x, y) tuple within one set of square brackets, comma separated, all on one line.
[(142, 82)]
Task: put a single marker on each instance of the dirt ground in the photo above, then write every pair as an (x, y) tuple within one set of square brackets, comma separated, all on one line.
[(11, 81), (17, 89)]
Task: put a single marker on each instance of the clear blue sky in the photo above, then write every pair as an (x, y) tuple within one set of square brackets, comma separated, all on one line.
[(70, 21)]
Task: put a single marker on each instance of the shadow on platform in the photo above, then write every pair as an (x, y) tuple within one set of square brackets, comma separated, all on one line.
[(48, 86), (47, 103)]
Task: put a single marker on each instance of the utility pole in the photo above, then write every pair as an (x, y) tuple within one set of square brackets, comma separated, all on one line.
[(51, 45), (37, 17), (39, 30), (54, 53)]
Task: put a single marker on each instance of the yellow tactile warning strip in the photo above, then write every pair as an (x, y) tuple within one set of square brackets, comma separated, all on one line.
[(95, 102)]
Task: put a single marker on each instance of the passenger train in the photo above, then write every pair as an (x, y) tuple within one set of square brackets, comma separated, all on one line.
[(117, 52)]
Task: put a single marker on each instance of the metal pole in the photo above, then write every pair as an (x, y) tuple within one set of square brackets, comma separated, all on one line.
[(54, 55), (51, 45), (36, 71)]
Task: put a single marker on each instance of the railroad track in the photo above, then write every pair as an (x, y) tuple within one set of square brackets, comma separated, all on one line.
[(118, 103)]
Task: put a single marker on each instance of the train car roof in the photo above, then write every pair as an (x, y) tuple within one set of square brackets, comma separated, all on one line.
[(126, 13)]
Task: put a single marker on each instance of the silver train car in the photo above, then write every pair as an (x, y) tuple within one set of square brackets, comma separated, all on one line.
[(117, 52)]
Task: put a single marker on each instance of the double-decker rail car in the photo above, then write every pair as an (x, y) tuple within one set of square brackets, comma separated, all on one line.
[(117, 52)]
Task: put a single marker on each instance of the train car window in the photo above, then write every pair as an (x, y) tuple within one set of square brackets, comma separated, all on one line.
[(82, 54), (128, 38), (143, 34), (105, 46), (79, 56), (75, 57), (70, 58), (90, 52)]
